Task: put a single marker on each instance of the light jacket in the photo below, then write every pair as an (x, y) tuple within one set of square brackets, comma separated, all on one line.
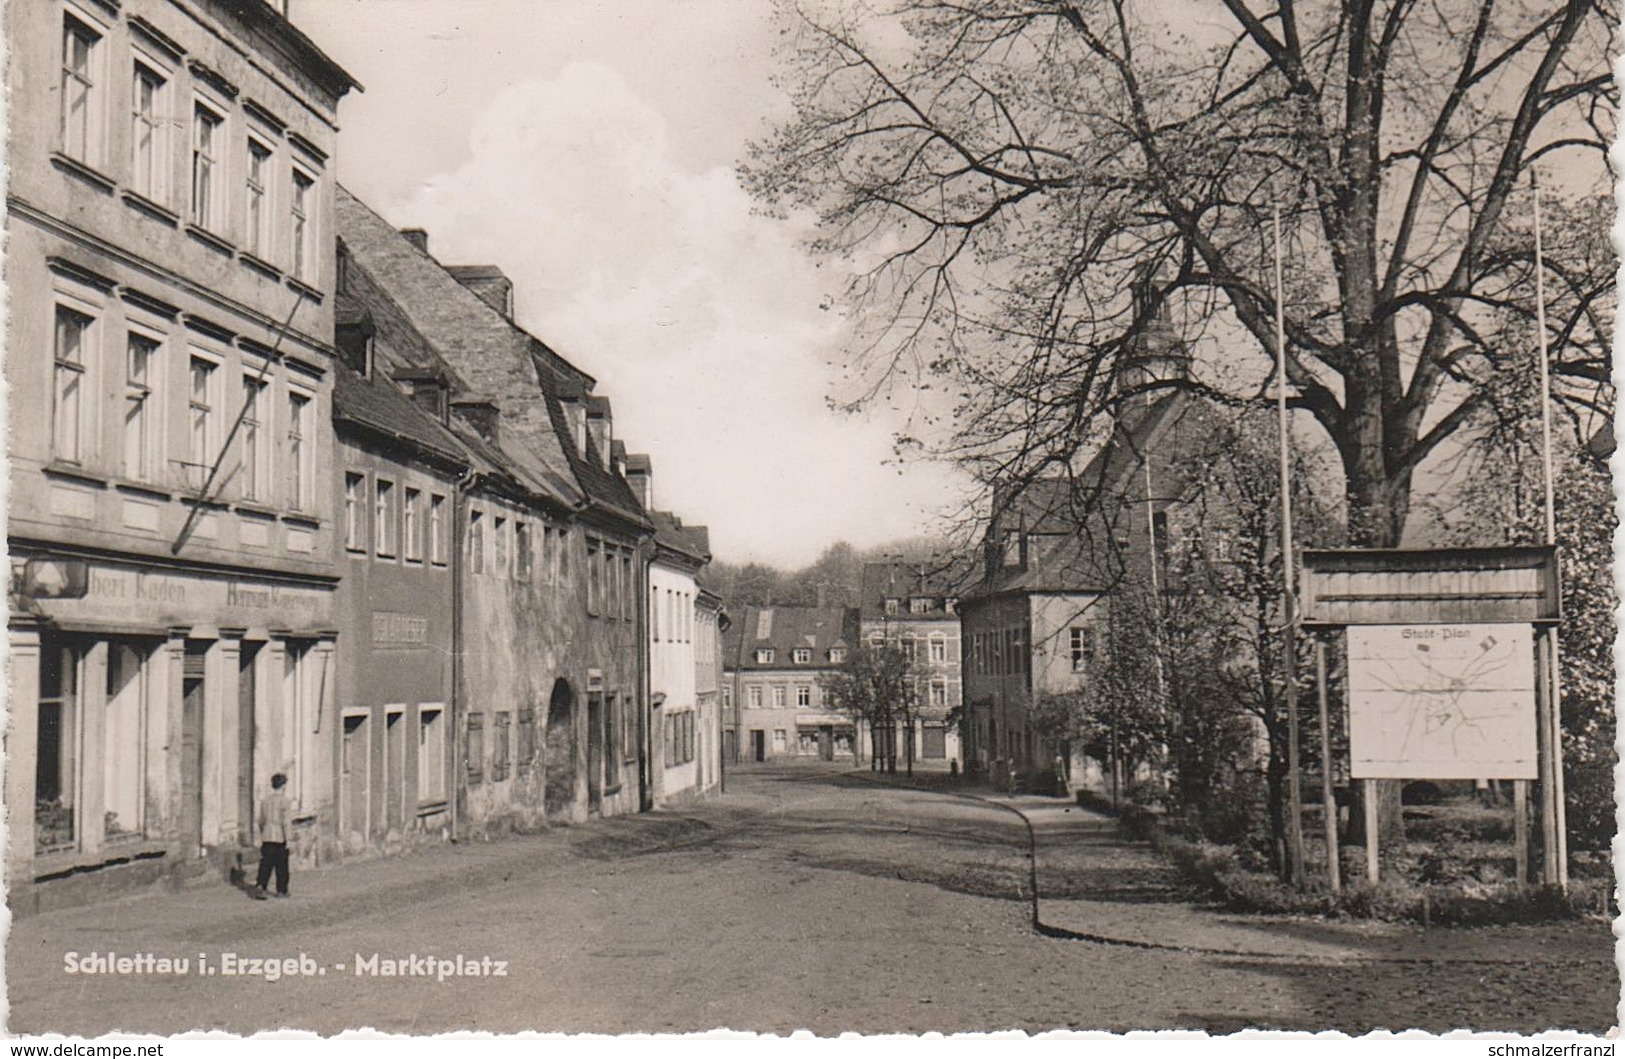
[(273, 817)]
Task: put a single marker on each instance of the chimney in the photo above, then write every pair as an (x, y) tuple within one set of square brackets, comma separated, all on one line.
[(481, 414), (488, 283), (418, 237), (599, 424), (572, 402), (640, 476), (429, 390)]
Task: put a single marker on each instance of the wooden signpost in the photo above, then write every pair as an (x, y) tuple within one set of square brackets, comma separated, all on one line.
[(1450, 676)]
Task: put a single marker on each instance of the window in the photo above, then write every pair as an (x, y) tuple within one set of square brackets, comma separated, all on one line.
[(630, 595), (474, 763), (939, 694), (521, 551), (70, 431), (779, 696), (431, 755), (81, 99), (499, 537), (200, 451), (919, 605), (727, 697), (258, 214), (801, 655), (803, 695), (595, 574), (302, 210), (123, 741), (891, 606), (563, 553), (354, 539), (149, 155), (525, 752), (206, 138), (612, 742), (753, 696), (837, 655), (56, 762), (301, 477), (411, 526), (1083, 647), (654, 614), (499, 746), (779, 740), (938, 649), (383, 513), (256, 453), (437, 529), (764, 656), (476, 542), (140, 417)]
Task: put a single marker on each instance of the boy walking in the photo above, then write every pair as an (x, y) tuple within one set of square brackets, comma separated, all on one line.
[(272, 823)]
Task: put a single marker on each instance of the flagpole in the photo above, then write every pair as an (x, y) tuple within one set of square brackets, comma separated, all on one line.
[(1289, 654), (1555, 698)]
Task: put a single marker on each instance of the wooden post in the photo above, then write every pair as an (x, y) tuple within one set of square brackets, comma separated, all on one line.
[(1544, 733), (1369, 792), (1328, 801), (1520, 829)]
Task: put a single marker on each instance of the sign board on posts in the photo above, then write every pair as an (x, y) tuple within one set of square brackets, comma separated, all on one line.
[(1393, 586), (1442, 702)]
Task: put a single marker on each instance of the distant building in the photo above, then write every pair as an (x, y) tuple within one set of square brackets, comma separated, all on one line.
[(169, 371), (916, 608), (773, 701), (1057, 552), (687, 742)]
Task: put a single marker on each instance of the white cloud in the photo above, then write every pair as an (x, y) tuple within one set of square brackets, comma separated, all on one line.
[(700, 319)]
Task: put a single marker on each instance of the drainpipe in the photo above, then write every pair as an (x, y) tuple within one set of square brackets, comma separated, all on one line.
[(645, 675), (459, 516)]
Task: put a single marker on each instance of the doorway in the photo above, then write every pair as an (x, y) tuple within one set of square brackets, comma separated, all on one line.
[(190, 829), (395, 769), (560, 749), (758, 744), (354, 781), (595, 751), (245, 742)]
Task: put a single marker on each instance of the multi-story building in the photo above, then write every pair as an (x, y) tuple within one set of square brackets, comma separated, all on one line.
[(685, 756), (1057, 554), (916, 608), (169, 368), (775, 700), (402, 471), (548, 707), (710, 622)]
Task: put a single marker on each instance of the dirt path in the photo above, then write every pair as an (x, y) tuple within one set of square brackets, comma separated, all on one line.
[(803, 899)]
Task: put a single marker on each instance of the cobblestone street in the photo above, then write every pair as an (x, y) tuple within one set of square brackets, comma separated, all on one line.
[(804, 898)]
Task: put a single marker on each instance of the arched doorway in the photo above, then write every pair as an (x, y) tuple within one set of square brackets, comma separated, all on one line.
[(561, 748)]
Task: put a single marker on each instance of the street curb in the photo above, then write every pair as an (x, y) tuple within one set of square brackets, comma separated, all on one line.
[(1067, 934)]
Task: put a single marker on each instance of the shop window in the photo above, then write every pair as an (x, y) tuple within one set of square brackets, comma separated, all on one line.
[(124, 741), (56, 760)]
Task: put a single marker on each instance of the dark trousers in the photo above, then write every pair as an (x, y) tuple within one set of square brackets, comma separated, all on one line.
[(274, 855)]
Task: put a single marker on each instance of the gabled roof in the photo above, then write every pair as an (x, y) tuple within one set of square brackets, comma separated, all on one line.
[(905, 581), (691, 543), (783, 629), (1073, 527)]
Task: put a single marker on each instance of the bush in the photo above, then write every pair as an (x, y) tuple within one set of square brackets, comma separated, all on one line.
[(1216, 874)]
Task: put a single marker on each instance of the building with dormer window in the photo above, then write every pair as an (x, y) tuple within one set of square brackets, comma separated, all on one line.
[(915, 606), (774, 658)]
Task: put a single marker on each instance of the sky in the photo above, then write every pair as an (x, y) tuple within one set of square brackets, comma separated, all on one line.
[(589, 150)]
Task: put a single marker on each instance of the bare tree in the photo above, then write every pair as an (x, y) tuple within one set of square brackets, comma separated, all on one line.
[(1030, 189)]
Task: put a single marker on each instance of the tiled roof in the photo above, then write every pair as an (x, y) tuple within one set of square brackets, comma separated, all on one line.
[(691, 542), (489, 354), (377, 405), (936, 580), (783, 629)]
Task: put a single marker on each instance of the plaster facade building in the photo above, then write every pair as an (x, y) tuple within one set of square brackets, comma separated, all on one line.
[(1056, 553), (774, 699), (169, 368), (549, 710), (688, 743), (908, 606)]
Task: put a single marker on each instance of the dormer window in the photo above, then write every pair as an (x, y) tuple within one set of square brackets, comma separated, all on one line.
[(1011, 548), (837, 655), (951, 605), (764, 656), (801, 655), (919, 605), (892, 605)]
